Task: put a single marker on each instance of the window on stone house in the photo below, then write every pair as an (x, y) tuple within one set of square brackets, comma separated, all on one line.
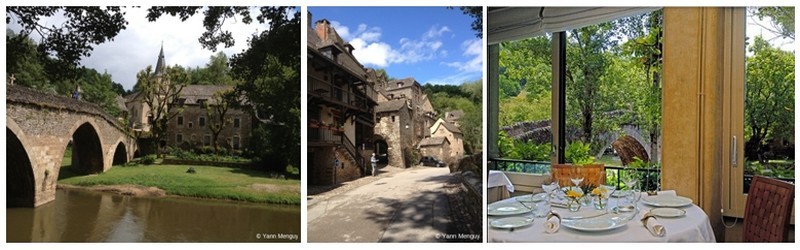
[(190, 124), (236, 122), (179, 138), (392, 118), (201, 121), (236, 142), (180, 120), (207, 140)]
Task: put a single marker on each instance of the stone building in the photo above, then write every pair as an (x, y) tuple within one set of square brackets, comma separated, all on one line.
[(341, 106), (438, 147), (454, 117), (190, 128), (445, 129), (394, 128)]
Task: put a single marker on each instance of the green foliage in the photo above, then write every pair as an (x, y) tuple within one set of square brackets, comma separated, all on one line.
[(467, 97), (522, 108), (769, 99), (83, 28), (148, 159), (525, 64), (782, 19), (512, 149), (577, 153)]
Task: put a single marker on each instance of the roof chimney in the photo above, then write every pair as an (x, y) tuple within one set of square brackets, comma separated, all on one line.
[(309, 19), (322, 27)]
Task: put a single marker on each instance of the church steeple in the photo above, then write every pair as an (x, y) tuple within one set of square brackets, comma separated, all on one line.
[(160, 65)]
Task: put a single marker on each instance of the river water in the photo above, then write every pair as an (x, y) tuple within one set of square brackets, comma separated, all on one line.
[(83, 216)]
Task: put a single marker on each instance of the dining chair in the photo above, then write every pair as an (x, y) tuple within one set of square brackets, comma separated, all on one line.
[(768, 210)]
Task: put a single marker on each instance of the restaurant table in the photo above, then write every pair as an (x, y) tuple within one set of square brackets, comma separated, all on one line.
[(694, 226), (499, 186)]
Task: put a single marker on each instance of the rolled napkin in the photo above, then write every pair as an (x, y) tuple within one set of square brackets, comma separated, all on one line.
[(651, 223), (552, 223)]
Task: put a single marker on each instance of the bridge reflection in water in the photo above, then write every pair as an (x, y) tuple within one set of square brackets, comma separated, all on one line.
[(81, 216)]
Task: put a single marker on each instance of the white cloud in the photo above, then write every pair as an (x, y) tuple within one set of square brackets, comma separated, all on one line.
[(370, 50), (473, 50), (342, 30)]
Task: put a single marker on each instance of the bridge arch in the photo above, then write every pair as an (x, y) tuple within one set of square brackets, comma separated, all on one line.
[(87, 149), (20, 180), (120, 154)]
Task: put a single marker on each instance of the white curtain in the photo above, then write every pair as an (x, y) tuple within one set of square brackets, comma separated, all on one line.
[(514, 23)]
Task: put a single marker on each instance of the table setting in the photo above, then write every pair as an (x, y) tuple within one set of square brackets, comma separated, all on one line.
[(598, 214)]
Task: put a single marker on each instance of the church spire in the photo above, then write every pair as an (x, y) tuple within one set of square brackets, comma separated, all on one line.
[(160, 64)]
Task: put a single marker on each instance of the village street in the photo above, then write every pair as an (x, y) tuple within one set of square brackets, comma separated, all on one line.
[(402, 206)]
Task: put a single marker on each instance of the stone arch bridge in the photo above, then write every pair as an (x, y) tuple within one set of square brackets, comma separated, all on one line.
[(40, 126)]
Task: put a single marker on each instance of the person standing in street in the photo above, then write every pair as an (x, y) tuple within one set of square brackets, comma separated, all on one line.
[(374, 161)]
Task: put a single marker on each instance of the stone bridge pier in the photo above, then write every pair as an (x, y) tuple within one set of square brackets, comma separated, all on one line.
[(39, 127)]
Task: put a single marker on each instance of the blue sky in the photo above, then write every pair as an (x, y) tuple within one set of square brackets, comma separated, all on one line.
[(432, 44)]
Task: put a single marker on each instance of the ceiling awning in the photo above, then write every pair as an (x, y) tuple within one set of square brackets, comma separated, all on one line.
[(514, 23)]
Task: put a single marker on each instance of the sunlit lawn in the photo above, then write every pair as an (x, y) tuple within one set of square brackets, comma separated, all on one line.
[(207, 182)]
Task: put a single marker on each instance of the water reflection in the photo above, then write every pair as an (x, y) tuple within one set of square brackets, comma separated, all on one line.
[(79, 216)]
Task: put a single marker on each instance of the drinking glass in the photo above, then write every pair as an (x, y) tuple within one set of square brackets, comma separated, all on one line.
[(576, 176)]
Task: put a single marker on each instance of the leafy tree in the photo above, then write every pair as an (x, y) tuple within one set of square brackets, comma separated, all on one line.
[(270, 71), (782, 19), (586, 63), (769, 100), (25, 64), (160, 93), (99, 89), (83, 28), (527, 62), (217, 112), (216, 72)]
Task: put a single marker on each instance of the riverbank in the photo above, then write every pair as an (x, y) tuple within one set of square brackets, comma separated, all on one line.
[(207, 182)]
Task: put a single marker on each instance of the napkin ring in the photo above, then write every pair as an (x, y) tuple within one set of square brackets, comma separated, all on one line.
[(647, 216), (553, 214)]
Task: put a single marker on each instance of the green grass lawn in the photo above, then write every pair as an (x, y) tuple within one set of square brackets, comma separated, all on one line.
[(208, 182)]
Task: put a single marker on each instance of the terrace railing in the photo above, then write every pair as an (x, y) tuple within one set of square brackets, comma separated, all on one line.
[(649, 179)]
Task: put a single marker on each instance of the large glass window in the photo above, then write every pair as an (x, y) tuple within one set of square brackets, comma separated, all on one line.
[(613, 99)]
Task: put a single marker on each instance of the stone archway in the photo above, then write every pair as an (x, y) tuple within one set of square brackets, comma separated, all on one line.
[(87, 150), (120, 154), (381, 149), (20, 182)]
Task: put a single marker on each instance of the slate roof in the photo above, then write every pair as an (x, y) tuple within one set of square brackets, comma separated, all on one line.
[(451, 127), (390, 106), (407, 82), (192, 93), (432, 141)]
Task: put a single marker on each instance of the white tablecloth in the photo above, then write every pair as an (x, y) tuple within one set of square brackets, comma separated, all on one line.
[(498, 178), (693, 227)]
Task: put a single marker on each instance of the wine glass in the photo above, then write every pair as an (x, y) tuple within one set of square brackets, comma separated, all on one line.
[(576, 176), (632, 197)]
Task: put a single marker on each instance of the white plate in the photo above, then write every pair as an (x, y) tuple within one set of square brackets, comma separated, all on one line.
[(531, 197), (666, 201), (511, 222), (601, 223), (507, 209), (667, 212)]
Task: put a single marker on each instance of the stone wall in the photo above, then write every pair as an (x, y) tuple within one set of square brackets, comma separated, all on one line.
[(395, 133), (192, 134), (456, 141), (322, 170)]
